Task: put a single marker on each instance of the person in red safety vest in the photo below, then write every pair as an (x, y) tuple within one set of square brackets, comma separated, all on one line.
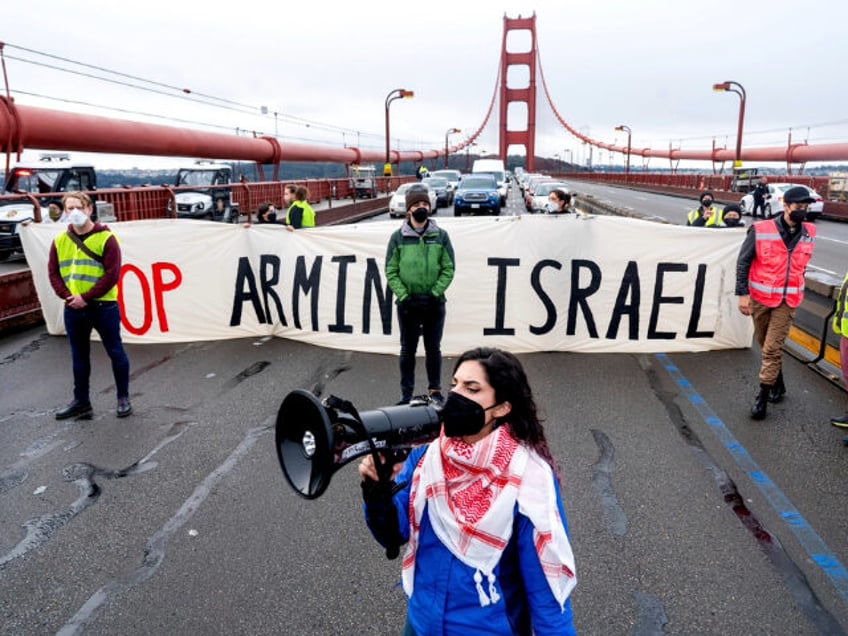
[(770, 285)]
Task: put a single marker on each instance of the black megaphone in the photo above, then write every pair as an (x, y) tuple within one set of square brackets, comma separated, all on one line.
[(315, 439)]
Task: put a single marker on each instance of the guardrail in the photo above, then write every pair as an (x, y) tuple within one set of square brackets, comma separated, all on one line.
[(152, 202), (689, 185)]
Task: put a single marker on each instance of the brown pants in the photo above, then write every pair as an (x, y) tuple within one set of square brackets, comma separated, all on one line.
[(771, 326)]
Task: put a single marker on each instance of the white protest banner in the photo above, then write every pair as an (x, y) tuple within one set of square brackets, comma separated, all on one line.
[(523, 283)]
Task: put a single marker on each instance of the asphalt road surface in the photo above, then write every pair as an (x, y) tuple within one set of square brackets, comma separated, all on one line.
[(686, 517)]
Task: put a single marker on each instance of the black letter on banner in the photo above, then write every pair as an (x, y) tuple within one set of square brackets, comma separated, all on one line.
[(305, 283), (500, 297), (536, 284), (384, 299), (697, 303), (659, 299), (341, 289), (579, 296), (630, 281), (271, 262), (244, 274)]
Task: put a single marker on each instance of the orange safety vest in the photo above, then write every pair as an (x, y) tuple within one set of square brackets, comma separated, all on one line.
[(776, 274)]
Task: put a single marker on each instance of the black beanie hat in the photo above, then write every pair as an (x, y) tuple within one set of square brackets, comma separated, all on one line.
[(417, 194), (705, 193)]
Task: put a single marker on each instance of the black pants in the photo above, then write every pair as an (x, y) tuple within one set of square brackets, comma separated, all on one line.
[(428, 322)]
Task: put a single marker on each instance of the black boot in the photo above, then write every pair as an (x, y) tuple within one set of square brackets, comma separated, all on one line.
[(778, 390), (758, 411)]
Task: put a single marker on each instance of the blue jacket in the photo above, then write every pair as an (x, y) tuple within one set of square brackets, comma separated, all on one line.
[(445, 600)]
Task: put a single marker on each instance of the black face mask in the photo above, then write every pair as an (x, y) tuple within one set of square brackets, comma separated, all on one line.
[(798, 216), (420, 214), (463, 416), (707, 202), (271, 217), (731, 222)]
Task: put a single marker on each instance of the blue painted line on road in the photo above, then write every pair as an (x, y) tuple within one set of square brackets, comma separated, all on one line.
[(809, 539)]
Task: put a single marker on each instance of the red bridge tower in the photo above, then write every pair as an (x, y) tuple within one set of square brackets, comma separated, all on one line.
[(527, 94)]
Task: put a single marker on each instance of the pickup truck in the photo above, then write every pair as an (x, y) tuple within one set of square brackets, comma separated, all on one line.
[(744, 179), (44, 179), (203, 191), (363, 180)]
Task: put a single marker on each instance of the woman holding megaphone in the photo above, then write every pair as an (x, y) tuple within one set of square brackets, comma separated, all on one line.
[(480, 511)]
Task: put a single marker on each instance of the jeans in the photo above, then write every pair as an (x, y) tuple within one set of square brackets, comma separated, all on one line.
[(105, 318), (414, 323)]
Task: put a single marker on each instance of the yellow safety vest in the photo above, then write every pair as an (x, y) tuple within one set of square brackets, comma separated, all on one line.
[(308, 219), (840, 318), (79, 271), (715, 219)]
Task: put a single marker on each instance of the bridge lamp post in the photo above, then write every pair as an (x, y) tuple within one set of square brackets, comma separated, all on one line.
[(626, 165), (728, 87), (398, 93), (448, 133)]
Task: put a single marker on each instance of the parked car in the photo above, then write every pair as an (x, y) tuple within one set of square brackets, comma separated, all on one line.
[(397, 204), (774, 202), (540, 195), (453, 177), (530, 188), (477, 193), (440, 186)]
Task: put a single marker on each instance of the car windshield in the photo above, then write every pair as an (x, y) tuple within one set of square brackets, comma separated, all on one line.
[(545, 188), (437, 182), (197, 177), (477, 182), (32, 181)]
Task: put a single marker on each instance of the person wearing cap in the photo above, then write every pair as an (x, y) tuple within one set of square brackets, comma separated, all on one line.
[(731, 216), (770, 272), (419, 269), (707, 215), (840, 326)]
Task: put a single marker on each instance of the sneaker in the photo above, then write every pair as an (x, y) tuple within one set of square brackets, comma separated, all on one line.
[(840, 422), (403, 401), (76, 409), (437, 398), (124, 407)]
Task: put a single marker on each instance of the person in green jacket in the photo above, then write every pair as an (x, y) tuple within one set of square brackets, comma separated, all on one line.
[(419, 268)]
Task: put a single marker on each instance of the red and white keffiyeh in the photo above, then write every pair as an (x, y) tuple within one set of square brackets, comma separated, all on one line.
[(470, 491)]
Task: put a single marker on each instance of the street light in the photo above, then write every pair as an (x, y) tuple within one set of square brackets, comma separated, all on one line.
[(727, 87), (627, 165), (397, 93), (449, 132)]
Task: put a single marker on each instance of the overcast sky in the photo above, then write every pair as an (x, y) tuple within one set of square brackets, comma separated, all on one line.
[(648, 64)]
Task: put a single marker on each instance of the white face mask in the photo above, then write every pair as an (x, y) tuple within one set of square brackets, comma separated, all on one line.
[(552, 207), (78, 218)]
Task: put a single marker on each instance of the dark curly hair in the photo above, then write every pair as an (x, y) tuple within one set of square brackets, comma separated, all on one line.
[(506, 375)]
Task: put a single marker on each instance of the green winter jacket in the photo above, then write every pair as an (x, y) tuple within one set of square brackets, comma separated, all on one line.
[(419, 263)]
